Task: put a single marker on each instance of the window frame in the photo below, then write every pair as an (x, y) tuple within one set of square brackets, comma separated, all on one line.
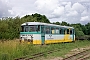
[(52, 30), (47, 31)]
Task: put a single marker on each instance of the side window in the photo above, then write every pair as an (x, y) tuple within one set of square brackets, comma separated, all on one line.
[(64, 30), (47, 30), (73, 31), (57, 31), (70, 31), (52, 30), (61, 31), (38, 28)]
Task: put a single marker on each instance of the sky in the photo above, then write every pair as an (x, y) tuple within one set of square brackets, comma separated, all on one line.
[(71, 11)]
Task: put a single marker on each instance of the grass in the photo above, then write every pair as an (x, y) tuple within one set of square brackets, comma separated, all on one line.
[(66, 47), (9, 50)]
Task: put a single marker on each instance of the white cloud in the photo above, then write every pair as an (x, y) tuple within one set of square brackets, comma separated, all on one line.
[(58, 11), (72, 11), (4, 9), (46, 5), (68, 6), (84, 13), (22, 7), (85, 18), (78, 7), (85, 1)]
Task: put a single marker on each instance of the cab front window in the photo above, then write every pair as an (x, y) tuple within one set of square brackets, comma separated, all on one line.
[(27, 29), (30, 28)]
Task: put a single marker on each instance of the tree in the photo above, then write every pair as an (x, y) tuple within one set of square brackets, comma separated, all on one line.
[(84, 29), (40, 18), (88, 28), (65, 24), (9, 26), (57, 23)]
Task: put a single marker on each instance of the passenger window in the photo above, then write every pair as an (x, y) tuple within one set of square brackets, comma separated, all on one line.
[(47, 30), (67, 31), (57, 30), (61, 31), (52, 30), (32, 28), (73, 31), (70, 31), (38, 28)]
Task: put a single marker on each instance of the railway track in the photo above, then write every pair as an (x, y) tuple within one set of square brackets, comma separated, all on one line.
[(84, 55), (31, 57), (79, 56)]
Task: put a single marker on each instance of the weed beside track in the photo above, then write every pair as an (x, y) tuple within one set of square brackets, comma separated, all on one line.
[(9, 50)]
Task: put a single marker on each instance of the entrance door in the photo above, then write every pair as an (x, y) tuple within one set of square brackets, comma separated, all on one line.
[(67, 34), (42, 34)]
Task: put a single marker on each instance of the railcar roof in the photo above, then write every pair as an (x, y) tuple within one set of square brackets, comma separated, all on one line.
[(47, 24)]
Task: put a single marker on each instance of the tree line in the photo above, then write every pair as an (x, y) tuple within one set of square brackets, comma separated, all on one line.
[(10, 27)]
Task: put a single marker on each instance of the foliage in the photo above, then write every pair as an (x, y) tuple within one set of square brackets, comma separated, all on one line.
[(64, 23), (81, 30), (88, 28), (10, 27), (57, 23), (40, 18)]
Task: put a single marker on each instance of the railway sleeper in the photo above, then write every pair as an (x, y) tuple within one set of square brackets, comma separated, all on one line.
[(36, 55), (85, 57), (73, 57)]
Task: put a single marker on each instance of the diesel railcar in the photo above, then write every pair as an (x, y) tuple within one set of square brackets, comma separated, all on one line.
[(44, 33)]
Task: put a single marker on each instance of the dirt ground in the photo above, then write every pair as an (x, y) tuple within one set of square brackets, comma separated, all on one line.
[(72, 52)]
